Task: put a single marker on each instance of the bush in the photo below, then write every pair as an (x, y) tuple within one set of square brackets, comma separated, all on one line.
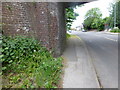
[(27, 64), (115, 30)]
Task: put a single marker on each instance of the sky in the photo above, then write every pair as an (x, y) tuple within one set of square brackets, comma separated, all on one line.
[(103, 5)]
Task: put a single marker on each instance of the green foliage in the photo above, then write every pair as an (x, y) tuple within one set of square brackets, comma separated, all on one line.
[(26, 64), (9, 8), (70, 17), (115, 14), (93, 19), (111, 11), (100, 24), (115, 30), (118, 14), (93, 13), (88, 22), (67, 35), (107, 20)]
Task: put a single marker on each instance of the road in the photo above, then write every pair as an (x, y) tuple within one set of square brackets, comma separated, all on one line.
[(103, 50)]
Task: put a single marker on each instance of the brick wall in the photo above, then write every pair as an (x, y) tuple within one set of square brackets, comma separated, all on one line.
[(0, 18), (42, 20)]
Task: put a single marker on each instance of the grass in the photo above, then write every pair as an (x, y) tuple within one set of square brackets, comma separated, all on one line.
[(68, 35), (27, 64)]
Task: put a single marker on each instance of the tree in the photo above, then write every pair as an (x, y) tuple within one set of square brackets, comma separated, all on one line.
[(118, 14), (88, 23), (70, 17), (108, 21), (98, 23), (112, 15), (115, 14), (93, 19), (93, 13)]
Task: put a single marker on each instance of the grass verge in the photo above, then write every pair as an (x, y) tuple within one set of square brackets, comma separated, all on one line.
[(115, 31), (68, 35), (27, 64)]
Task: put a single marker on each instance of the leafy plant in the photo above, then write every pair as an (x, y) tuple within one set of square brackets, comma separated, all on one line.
[(27, 64), (9, 7), (70, 16), (115, 30)]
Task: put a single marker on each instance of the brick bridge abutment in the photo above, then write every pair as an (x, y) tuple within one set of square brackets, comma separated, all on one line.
[(44, 21)]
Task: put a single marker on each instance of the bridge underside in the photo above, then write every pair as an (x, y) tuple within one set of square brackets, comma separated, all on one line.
[(43, 20)]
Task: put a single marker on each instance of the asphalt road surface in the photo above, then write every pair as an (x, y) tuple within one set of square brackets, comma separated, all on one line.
[(103, 49)]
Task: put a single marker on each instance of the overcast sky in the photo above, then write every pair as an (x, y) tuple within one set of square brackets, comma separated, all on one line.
[(103, 5)]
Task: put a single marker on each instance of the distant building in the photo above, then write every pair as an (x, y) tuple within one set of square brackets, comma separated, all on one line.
[(79, 28)]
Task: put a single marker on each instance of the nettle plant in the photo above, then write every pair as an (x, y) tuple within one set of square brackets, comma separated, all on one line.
[(25, 60)]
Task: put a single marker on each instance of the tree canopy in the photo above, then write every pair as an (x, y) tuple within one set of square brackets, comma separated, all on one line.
[(115, 14), (93, 13), (118, 14), (93, 19)]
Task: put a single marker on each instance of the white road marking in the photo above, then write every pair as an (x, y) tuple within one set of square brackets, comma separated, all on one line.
[(108, 38)]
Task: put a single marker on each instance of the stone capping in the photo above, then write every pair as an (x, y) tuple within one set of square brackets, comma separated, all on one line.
[(47, 0)]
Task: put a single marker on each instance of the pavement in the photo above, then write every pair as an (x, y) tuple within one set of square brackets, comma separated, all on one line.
[(79, 71), (92, 61)]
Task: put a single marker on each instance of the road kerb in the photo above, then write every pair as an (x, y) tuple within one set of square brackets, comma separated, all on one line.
[(95, 72), (112, 33)]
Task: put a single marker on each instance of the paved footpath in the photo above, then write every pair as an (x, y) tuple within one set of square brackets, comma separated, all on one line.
[(79, 70)]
